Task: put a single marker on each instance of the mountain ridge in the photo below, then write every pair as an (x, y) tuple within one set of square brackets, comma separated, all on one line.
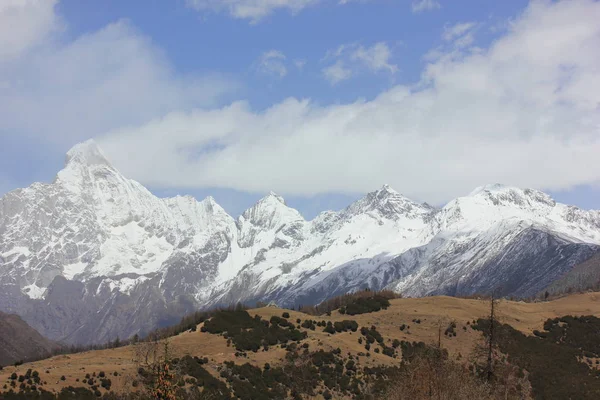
[(125, 253)]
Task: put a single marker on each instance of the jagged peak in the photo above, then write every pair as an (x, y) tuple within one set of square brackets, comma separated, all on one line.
[(212, 204), (208, 204), (387, 189), (274, 196), (493, 187), (86, 153), (271, 208), (210, 200), (512, 194), (386, 192), (387, 201)]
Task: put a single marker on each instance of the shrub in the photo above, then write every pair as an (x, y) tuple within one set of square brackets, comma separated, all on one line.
[(450, 330), (248, 333), (389, 351), (367, 305), (329, 328), (552, 359), (341, 302), (285, 315), (308, 324), (371, 335)]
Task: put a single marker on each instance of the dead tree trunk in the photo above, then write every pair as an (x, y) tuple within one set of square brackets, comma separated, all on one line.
[(491, 337)]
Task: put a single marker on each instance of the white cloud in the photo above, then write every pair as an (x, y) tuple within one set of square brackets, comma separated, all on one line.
[(351, 58), (454, 31), (24, 24), (272, 62), (523, 111), (69, 90), (337, 72), (257, 10), (254, 10), (425, 5), (375, 57), (300, 63), (461, 34)]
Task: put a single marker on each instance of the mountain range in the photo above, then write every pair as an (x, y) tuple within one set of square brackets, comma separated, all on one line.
[(93, 255)]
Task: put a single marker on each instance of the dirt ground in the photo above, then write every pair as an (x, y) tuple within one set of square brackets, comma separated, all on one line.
[(434, 313)]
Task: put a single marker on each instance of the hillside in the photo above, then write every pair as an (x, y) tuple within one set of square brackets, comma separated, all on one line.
[(421, 317), (581, 277), (19, 341)]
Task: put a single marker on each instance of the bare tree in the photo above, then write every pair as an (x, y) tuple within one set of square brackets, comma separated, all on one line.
[(491, 339), (153, 358)]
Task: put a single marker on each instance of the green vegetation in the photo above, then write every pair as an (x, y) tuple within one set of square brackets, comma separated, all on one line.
[(341, 302), (341, 326), (252, 333), (363, 305), (309, 324), (210, 385), (371, 335), (450, 330), (552, 359)]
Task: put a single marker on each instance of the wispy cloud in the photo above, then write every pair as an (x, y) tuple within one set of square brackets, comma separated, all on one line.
[(300, 63), (337, 72), (257, 10), (24, 24), (376, 57), (253, 10), (272, 63), (454, 31), (419, 6), (349, 59)]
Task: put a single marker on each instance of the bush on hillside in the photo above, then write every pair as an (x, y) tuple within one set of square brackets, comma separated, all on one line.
[(552, 361), (252, 333), (341, 302)]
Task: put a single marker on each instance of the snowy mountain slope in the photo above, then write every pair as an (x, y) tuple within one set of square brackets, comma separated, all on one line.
[(94, 255), (417, 250)]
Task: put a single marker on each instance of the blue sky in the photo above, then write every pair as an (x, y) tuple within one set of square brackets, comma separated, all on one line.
[(320, 100)]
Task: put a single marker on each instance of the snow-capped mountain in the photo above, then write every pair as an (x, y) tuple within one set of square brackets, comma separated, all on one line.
[(94, 255)]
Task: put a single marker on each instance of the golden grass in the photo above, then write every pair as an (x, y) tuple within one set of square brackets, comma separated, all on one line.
[(432, 311)]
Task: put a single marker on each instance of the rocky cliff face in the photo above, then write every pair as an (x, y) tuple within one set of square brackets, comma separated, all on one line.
[(94, 255)]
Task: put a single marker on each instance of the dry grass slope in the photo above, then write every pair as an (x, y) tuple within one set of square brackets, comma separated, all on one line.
[(422, 320)]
